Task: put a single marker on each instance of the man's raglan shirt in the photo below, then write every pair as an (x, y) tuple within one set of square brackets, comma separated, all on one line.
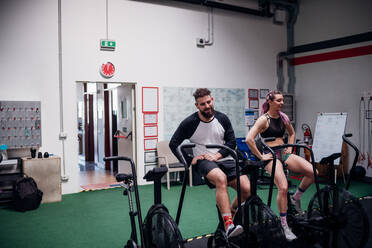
[(217, 131)]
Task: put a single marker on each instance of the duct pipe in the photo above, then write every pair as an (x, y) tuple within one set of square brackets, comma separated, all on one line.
[(264, 10), (292, 12), (288, 55), (62, 135)]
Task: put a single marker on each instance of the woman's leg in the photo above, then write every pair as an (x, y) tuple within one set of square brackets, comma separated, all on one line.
[(281, 183), (300, 165)]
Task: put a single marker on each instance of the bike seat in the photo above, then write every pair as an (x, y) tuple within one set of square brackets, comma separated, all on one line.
[(123, 177), (330, 158), (157, 172)]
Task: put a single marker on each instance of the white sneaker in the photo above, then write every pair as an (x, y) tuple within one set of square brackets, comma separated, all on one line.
[(233, 231), (289, 235), (296, 204)]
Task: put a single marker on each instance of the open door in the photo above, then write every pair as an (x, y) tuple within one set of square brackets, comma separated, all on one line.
[(125, 125), (104, 109)]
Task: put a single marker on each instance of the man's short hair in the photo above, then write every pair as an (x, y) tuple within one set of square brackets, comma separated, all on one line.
[(201, 92)]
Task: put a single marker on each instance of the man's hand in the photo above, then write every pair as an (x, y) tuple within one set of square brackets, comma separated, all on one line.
[(195, 159), (213, 157)]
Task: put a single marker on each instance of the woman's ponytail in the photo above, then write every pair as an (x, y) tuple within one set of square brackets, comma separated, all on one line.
[(265, 107)]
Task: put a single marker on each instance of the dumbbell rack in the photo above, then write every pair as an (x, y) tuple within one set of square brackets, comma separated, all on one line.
[(20, 124)]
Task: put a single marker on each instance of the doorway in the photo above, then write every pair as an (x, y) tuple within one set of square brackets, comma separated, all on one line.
[(106, 127)]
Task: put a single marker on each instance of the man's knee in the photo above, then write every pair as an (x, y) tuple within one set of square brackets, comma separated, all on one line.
[(217, 177), (221, 180)]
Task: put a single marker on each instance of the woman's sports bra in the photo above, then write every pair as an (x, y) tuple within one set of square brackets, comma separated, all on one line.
[(276, 128)]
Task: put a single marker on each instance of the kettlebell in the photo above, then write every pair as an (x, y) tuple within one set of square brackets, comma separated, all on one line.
[(358, 172), (33, 152), (39, 155), (46, 155)]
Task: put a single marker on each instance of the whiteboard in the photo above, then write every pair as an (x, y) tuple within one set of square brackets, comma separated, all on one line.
[(328, 135), (180, 103)]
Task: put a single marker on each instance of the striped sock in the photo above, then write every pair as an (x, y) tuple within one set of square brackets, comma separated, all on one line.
[(298, 194), (227, 219), (283, 219)]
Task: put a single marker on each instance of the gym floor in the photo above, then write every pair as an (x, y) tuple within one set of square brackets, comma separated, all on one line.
[(100, 218)]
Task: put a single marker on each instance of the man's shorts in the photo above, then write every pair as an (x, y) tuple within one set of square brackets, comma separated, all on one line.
[(227, 166)]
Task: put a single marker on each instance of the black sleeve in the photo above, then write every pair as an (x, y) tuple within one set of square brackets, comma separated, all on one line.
[(229, 136), (184, 131)]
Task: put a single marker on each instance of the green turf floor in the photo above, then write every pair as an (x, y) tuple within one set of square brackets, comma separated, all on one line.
[(100, 218)]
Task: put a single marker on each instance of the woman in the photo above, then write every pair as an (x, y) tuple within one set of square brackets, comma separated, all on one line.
[(274, 123)]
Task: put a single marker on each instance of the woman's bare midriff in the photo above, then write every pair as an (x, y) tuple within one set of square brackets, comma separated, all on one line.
[(276, 142)]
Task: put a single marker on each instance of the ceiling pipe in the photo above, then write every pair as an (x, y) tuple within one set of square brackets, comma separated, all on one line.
[(263, 11), (292, 7), (347, 40)]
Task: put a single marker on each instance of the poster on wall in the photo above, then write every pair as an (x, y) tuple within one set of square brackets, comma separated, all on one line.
[(150, 131), (150, 144), (150, 119), (150, 99), (263, 93), (150, 157), (253, 103), (253, 93)]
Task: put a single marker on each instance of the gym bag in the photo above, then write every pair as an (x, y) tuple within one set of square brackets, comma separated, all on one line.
[(26, 194)]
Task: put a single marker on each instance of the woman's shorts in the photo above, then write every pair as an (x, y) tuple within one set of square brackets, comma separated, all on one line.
[(227, 166), (280, 155)]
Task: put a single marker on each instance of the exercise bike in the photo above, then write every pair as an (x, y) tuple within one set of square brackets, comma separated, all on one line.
[(158, 230), (334, 217), (261, 225), (219, 238), (257, 219)]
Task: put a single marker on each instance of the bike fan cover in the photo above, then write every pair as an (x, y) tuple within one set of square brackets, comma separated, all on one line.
[(160, 230)]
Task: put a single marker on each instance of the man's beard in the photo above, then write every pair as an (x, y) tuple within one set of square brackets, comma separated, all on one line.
[(208, 115)]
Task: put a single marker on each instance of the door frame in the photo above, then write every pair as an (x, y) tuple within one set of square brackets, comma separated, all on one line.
[(108, 138)]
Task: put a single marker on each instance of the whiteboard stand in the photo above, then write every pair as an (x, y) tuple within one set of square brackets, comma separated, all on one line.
[(328, 136)]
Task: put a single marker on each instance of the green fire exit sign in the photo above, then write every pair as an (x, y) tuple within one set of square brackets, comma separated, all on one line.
[(108, 45)]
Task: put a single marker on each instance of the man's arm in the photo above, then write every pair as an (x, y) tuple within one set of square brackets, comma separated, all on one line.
[(177, 139), (229, 136), (184, 131)]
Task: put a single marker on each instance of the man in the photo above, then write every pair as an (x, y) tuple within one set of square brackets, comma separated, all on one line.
[(208, 126)]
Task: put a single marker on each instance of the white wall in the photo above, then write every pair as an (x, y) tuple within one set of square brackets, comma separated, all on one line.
[(336, 85), (155, 47)]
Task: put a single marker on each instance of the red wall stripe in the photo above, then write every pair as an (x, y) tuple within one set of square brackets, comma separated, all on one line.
[(347, 53)]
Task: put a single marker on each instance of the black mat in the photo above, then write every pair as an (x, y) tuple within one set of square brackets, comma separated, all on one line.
[(367, 205)]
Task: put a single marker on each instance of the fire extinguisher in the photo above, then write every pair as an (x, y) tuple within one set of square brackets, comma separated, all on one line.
[(308, 139)]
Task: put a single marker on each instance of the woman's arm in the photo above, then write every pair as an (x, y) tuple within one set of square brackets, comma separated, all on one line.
[(291, 136), (251, 136)]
